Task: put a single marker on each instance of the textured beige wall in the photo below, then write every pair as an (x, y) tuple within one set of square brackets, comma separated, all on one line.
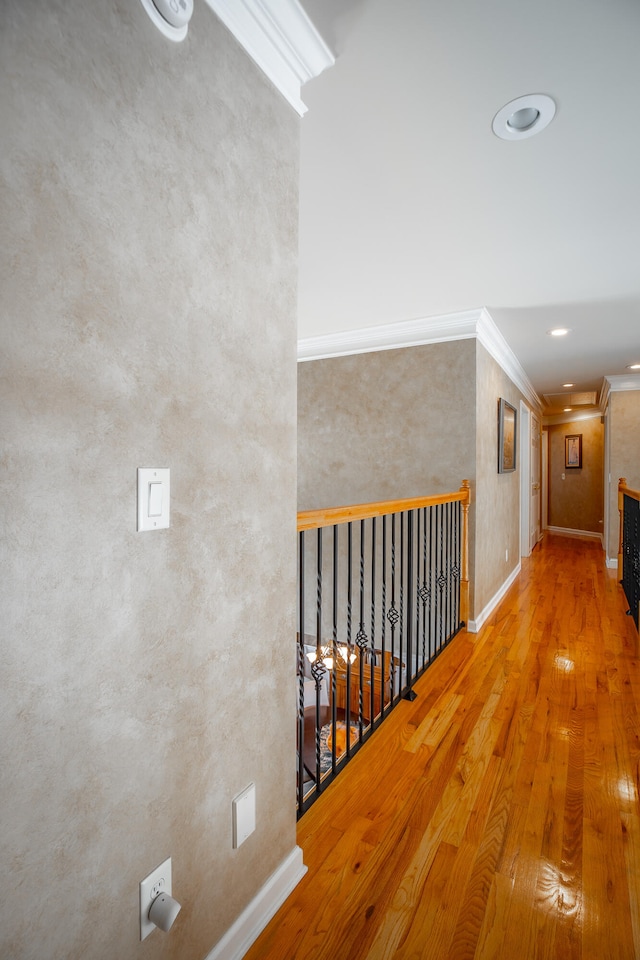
[(398, 423), (147, 306), (624, 426), (497, 495), (577, 502), (387, 425)]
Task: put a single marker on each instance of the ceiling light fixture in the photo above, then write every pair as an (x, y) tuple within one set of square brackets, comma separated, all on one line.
[(171, 17), (559, 332), (524, 117), (568, 384), (633, 366)]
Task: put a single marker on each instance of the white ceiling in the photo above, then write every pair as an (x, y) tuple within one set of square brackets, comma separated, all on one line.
[(410, 206)]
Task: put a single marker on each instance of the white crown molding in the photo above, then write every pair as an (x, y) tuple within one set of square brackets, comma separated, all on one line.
[(390, 336), (626, 381), (280, 38), (414, 333), (495, 344)]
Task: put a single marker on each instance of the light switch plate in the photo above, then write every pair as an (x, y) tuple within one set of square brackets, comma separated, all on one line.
[(154, 492), (244, 815)]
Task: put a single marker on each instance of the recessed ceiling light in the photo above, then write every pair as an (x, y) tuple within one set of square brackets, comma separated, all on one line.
[(171, 17), (568, 384), (633, 366), (524, 117), (559, 332)]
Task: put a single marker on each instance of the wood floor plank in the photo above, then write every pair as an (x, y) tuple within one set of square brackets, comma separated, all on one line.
[(496, 816)]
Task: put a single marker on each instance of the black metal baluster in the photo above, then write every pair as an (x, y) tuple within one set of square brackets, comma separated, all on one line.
[(347, 716), (418, 606), (401, 622), (383, 587), (392, 613), (300, 671), (318, 668), (432, 632), (334, 649), (439, 578), (372, 648), (361, 636), (410, 693)]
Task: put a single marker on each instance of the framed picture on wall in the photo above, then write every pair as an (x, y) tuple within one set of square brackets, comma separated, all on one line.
[(506, 437), (573, 451)]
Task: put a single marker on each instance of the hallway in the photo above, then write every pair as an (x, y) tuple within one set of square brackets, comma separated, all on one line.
[(496, 816)]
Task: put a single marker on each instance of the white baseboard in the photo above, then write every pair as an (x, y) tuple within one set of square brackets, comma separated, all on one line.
[(475, 625), (262, 908), (568, 532), (612, 563)]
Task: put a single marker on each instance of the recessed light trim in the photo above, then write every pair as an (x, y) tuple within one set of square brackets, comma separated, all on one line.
[(171, 17), (559, 331), (524, 117)]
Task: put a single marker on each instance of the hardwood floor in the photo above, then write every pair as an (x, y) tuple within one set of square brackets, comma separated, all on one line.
[(497, 815)]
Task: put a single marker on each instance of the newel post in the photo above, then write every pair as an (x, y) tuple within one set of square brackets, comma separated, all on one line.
[(465, 489), (622, 483)]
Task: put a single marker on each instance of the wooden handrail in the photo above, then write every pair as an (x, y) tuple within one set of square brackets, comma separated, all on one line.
[(329, 516), (314, 519), (623, 491)]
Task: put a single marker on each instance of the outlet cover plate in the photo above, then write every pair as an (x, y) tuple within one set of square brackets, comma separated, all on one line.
[(158, 881)]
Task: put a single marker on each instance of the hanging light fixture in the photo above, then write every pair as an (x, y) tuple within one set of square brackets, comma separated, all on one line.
[(326, 654)]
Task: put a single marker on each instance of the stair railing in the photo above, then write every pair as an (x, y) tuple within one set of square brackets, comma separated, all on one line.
[(382, 589), (629, 546)]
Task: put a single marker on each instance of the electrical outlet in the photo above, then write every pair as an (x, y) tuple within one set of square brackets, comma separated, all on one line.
[(158, 881)]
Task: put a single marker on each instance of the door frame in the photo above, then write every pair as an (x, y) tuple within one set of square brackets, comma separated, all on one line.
[(525, 483)]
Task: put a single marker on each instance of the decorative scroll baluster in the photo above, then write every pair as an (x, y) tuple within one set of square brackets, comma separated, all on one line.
[(318, 668), (361, 637), (334, 648), (408, 610), (372, 645), (410, 693)]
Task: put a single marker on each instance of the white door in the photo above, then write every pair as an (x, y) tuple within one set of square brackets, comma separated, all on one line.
[(535, 477)]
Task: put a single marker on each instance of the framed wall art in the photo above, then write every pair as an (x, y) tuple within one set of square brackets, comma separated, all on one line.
[(573, 451), (506, 437)]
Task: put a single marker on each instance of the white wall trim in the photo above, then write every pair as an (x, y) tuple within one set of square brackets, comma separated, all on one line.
[(495, 344), (628, 381), (612, 563), (280, 38), (475, 625), (262, 908), (390, 336), (569, 532), (414, 333)]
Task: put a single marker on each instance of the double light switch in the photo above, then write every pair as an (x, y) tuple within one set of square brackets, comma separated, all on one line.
[(153, 498)]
